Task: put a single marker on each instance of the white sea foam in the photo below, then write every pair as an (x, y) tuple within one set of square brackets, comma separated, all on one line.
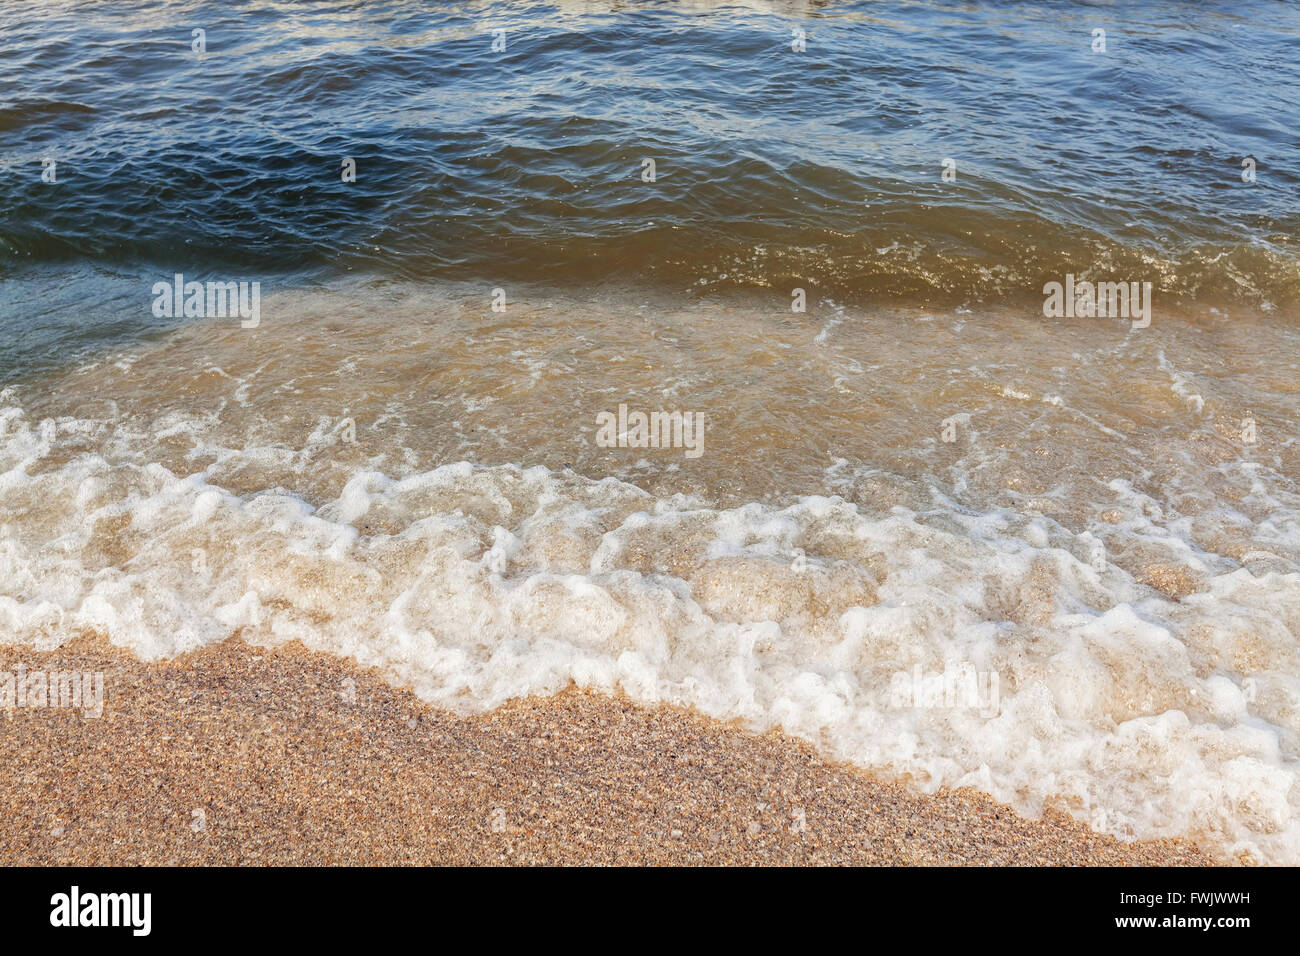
[(475, 584)]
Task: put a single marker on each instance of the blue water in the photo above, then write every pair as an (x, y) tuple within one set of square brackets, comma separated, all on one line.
[(774, 168)]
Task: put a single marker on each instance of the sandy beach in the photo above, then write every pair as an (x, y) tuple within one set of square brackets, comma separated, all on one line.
[(237, 755), (680, 433)]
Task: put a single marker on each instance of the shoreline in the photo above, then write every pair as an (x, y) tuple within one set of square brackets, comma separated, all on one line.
[(239, 755)]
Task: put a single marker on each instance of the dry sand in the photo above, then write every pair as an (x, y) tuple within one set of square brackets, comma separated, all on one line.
[(285, 770)]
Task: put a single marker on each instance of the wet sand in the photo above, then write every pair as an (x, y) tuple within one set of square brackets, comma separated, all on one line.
[(242, 756)]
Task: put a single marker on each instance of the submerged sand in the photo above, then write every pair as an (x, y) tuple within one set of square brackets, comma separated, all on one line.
[(241, 755), (396, 474)]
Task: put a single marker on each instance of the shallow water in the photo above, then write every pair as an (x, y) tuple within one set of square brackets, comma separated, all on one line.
[(394, 472), (1091, 526)]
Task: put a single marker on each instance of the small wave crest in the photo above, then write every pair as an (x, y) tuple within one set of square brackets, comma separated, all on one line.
[(954, 648)]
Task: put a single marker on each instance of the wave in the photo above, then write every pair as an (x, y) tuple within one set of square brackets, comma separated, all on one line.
[(828, 170), (945, 645)]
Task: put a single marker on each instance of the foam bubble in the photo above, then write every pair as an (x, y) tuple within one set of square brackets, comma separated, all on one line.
[(474, 584)]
